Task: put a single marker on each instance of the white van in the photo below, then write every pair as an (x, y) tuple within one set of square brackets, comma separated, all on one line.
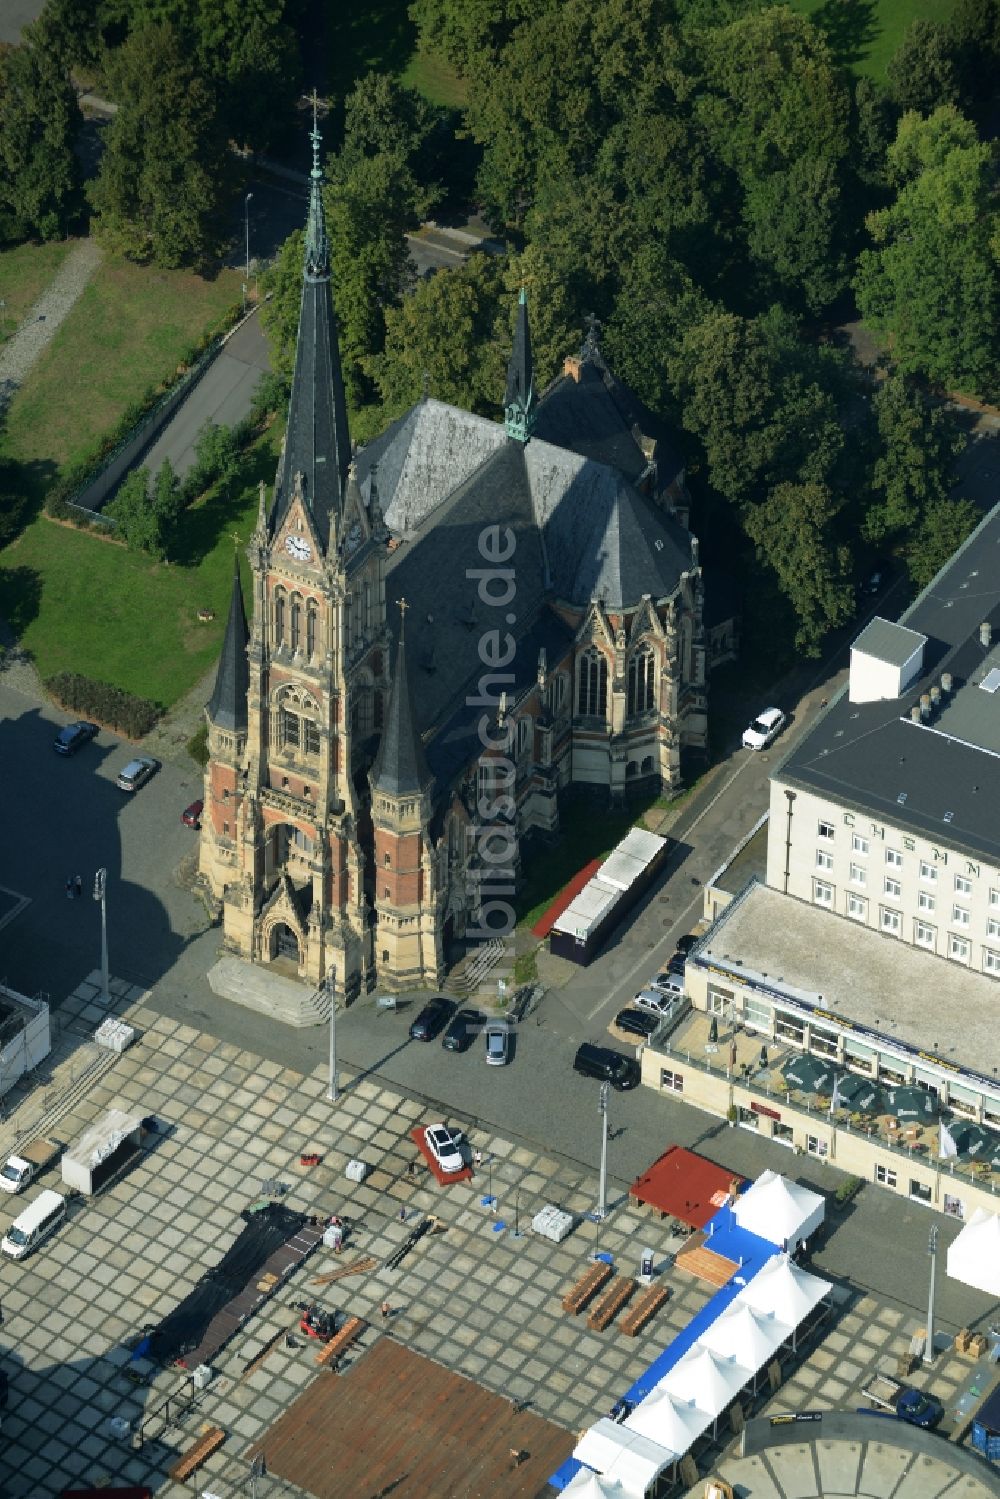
[(39, 1219)]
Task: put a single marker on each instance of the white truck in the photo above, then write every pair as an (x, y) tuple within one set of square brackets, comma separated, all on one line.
[(102, 1152), (27, 1162)]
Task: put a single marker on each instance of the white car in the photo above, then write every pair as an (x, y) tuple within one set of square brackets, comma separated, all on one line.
[(654, 1002), (443, 1144), (764, 730)]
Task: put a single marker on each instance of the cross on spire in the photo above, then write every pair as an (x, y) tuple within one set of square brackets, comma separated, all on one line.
[(317, 249), (403, 606)]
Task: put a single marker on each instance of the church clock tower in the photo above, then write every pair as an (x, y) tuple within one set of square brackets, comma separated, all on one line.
[(300, 692)]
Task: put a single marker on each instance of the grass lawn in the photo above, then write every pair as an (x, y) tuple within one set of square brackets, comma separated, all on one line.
[(587, 830), (380, 37), (436, 79), (865, 33), (129, 330), (82, 604), (25, 271)]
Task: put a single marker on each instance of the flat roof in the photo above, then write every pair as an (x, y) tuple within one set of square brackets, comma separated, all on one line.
[(865, 977), (686, 1185), (888, 641), (749, 862), (941, 778)]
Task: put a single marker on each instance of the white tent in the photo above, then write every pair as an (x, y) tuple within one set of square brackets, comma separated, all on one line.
[(590, 1485), (974, 1257), (783, 1290), (703, 1379), (746, 1335), (779, 1210), (662, 1417), (624, 1456)]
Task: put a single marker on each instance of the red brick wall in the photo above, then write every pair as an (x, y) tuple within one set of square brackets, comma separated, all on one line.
[(402, 877)]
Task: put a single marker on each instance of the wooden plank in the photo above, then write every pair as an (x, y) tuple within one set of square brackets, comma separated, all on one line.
[(341, 1341), (587, 1287), (359, 1267), (209, 1442), (644, 1310), (615, 1297)]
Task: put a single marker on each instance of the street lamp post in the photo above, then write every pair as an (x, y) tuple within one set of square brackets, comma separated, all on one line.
[(100, 888), (332, 1091), (246, 226), (603, 1187), (932, 1244)]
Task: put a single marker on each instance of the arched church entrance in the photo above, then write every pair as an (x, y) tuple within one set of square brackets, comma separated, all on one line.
[(284, 944)]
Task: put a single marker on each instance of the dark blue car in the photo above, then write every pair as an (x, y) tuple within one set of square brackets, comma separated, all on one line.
[(73, 736)]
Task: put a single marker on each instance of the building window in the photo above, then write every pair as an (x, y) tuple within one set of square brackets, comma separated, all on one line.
[(279, 618), (523, 735), (991, 960), (857, 907), (825, 1042), (592, 690), (290, 729), (885, 1176), (386, 893), (310, 631), (919, 1191), (816, 1146), (790, 1028), (641, 682), (858, 875), (926, 901), (995, 899), (889, 920), (673, 1081), (825, 830), (928, 872), (962, 885), (993, 927), (960, 916), (823, 859), (757, 1015), (387, 861), (311, 733), (782, 1134), (859, 844), (296, 615), (959, 949), (924, 935), (822, 893), (892, 887), (559, 692), (719, 1000), (894, 858), (385, 955)]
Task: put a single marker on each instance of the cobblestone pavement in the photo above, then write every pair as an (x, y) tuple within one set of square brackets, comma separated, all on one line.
[(474, 1297), (20, 352)]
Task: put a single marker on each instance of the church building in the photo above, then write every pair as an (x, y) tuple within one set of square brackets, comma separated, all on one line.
[(449, 628)]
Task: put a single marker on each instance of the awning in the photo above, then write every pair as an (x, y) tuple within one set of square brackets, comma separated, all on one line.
[(780, 1210), (626, 1456), (909, 1102), (809, 1074), (974, 1257)]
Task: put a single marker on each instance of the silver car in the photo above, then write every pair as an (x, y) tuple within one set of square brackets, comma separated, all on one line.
[(137, 772), (654, 1002), (497, 1045)]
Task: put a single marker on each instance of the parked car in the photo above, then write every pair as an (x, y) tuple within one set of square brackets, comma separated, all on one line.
[(435, 1014), (137, 772), (677, 964), (73, 737), (636, 1022), (607, 1066), (497, 1044), (191, 816), (464, 1025), (878, 577), (764, 730), (444, 1145), (658, 1000)]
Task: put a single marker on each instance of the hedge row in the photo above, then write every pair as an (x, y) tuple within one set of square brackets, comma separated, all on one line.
[(109, 705)]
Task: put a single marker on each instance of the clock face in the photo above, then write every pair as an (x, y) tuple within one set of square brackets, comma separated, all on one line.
[(298, 547)]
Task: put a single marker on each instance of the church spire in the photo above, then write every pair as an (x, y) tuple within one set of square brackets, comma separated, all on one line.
[(400, 767), (227, 707), (317, 262), (519, 398)]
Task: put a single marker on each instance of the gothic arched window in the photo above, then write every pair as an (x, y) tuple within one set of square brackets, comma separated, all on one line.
[(296, 621), (641, 682), (279, 616), (592, 685), (310, 629)]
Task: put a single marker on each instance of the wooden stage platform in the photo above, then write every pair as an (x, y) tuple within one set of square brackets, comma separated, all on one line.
[(398, 1423)]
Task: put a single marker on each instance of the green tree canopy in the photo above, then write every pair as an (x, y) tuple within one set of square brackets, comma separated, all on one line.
[(795, 533), (157, 195), (40, 174), (943, 527), (922, 72), (279, 312), (931, 280), (913, 469)]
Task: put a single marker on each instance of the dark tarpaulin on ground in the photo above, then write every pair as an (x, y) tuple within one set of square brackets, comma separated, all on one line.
[(183, 1328)]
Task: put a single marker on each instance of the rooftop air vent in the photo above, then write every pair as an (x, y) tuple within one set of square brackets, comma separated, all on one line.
[(658, 544), (948, 816), (991, 681), (901, 798)]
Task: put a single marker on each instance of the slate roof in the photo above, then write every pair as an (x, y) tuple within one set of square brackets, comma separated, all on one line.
[(400, 765), (939, 779), (423, 457), (227, 707)]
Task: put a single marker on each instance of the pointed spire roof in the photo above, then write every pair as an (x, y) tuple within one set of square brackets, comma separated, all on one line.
[(400, 767), (519, 397), (227, 707), (317, 441)]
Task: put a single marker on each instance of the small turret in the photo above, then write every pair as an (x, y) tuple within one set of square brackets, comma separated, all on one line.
[(519, 398)]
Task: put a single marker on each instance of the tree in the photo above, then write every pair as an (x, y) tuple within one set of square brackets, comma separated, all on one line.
[(468, 31), (657, 305), (974, 35), (943, 527), (40, 174), (133, 510), (922, 72), (794, 531), (383, 118), (912, 473), (279, 312), (158, 193), (932, 280)]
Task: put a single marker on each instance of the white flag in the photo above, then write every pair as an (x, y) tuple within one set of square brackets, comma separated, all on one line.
[(946, 1146), (835, 1100)]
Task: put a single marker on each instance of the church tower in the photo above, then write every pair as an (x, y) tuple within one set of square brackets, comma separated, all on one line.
[(285, 823), (408, 942)]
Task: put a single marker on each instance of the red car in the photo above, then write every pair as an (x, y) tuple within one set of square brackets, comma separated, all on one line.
[(191, 816)]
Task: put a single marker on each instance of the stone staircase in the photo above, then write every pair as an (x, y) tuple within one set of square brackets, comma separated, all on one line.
[(472, 972), (285, 1000)]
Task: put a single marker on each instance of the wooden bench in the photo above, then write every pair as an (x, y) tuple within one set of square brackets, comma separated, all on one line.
[(351, 1330), (587, 1287), (644, 1310), (615, 1297), (209, 1441)]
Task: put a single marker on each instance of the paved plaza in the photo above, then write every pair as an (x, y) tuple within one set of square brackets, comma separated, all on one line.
[(474, 1297)]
